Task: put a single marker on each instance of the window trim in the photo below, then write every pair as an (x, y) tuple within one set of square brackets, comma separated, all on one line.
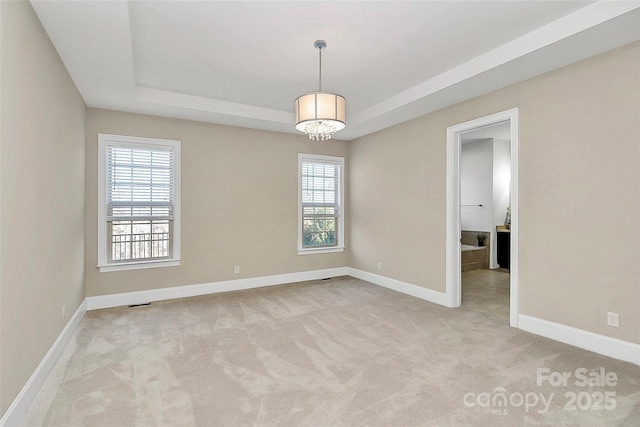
[(302, 157), (104, 265)]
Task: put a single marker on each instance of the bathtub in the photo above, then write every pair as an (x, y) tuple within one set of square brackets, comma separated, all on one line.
[(473, 257), (470, 247)]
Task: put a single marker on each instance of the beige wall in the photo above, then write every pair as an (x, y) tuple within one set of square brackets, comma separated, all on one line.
[(579, 193), (42, 197), (397, 202), (239, 202)]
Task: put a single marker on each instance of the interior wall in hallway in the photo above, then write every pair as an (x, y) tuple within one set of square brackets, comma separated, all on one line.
[(476, 185)]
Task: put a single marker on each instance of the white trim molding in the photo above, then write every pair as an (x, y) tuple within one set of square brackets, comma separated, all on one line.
[(21, 404), (452, 227), (161, 294), (601, 344), (402, 287), (107, 141), (340, 221)]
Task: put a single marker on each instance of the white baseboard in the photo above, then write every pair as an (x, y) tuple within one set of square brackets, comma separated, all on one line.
[(403, 287), (602, 344), (21, 404), (142, 297), (612, 347)]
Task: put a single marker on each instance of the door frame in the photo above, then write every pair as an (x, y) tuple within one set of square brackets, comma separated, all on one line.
[(453, 229)]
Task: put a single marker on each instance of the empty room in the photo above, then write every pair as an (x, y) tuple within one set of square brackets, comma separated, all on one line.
[(261, 213)]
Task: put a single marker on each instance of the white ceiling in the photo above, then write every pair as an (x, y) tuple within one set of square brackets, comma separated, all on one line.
[(243, 63)]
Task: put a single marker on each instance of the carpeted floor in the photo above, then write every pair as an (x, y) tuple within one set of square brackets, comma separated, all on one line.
[(325, 353)]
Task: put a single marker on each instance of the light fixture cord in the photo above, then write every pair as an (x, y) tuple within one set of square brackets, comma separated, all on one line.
[(320, 73)]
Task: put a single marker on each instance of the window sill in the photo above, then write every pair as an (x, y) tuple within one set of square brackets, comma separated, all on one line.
[(138, 265), (311, 251)]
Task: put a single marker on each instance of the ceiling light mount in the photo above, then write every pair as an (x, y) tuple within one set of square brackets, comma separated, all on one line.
[(320, 44), (320, 114)]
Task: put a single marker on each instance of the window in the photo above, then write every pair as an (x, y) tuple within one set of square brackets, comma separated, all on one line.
[(138, 202), (320, 204)]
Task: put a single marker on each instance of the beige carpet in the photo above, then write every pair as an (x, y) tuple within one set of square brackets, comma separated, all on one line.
[(323, 353)]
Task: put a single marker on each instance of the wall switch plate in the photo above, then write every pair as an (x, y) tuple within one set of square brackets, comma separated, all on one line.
[(379, 266), (612, 319), (236, 269), (64, 312)]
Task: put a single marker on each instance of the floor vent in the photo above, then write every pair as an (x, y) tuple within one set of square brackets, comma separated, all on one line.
[(144, 304)]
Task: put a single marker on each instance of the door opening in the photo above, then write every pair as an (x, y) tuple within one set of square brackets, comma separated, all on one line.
[(454, 206), (484, 220)]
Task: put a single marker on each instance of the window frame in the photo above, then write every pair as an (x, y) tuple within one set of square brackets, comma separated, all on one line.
[(317, 158), (104, 246)]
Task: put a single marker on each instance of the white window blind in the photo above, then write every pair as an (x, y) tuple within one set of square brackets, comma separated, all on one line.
[(139, 183)]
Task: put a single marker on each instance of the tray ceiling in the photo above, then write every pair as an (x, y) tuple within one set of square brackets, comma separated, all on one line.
[(243, 63)]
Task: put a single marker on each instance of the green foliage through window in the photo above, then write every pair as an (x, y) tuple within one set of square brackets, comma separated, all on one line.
[(319, 232)]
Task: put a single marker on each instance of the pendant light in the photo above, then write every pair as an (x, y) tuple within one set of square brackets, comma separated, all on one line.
[(320, 114)]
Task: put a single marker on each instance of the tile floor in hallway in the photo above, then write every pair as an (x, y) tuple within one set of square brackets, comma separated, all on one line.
[(486, 291)]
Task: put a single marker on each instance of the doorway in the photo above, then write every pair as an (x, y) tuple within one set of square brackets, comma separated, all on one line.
[(484, 216), (455, 135)]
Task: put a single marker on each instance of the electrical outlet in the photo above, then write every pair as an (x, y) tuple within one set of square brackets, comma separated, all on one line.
[(379, 266), (612, 319), (64, 312), (236, 269)]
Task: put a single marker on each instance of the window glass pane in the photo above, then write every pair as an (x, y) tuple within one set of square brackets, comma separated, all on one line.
[(135, 240), (319, 232)]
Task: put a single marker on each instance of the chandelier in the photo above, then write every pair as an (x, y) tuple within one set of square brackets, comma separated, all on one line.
[(320, 114)]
